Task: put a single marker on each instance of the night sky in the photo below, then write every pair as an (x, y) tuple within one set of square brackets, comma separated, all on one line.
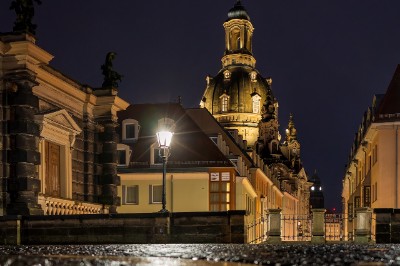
[(326, 58)]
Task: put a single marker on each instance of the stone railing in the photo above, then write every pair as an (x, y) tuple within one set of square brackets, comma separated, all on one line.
[(57, 206)]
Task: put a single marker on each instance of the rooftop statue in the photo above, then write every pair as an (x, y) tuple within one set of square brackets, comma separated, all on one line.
[(111, 77), (25, 11)]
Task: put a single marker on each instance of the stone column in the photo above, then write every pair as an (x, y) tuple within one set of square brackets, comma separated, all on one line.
[(318, 226), (109, 159), (23, 150), (363, 225), (274, 220), (4, 147)]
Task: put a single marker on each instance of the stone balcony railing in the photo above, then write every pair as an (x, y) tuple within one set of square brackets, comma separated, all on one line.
[(57, 206)]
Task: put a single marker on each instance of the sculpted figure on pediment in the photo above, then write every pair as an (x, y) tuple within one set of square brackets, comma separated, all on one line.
[(24, 9)]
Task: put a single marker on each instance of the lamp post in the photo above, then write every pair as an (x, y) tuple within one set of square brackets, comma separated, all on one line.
[(164, 139)]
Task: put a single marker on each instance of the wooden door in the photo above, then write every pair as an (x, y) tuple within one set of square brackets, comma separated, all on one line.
[(52, 158)]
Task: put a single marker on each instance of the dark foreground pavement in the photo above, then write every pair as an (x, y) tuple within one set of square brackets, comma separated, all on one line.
[(201, 254)]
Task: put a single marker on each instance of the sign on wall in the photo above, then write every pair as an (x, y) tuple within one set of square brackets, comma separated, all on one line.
[(214, 177)]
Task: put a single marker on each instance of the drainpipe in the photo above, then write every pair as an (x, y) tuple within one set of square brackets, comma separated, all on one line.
[(172, 193)]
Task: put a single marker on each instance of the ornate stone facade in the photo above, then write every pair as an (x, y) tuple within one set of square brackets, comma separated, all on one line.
[(58, 138)]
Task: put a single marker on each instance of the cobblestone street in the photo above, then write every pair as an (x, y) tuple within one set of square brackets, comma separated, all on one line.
[(202, 254)]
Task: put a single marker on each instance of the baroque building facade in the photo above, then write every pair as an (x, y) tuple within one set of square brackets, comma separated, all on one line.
[(58, 137), (242, 101), (372, 176)]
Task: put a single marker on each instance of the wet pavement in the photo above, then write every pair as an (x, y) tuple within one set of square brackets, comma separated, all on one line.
[(201, 254)]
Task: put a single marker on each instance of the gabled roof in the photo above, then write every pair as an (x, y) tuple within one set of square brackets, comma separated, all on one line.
[(190, 146), (210, 126), (389, 108)]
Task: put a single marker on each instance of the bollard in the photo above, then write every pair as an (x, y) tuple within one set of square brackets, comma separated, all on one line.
[(318, 226), (363, 225), (274, 235)]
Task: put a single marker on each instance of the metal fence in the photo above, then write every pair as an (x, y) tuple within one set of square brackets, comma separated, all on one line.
[(334, 227), (296, 227), (257, 231), (338, 227)]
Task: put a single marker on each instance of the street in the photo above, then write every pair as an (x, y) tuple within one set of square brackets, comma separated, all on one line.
[(202, 254)]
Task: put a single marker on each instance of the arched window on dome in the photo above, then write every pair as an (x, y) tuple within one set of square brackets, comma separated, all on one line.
[(224, 102), (256, 103), (235, 39)]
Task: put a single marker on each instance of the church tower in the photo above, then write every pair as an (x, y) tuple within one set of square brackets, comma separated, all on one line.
[(236, 94)]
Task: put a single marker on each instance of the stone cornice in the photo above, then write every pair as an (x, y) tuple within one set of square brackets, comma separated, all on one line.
[(29, 49), (238, 22)]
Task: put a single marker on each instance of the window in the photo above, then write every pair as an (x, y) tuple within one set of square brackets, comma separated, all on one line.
[(351, 211), (121, 157), (357, 202), (374, 192), (375, 155), (235, 39), (367, 196), (253, 76), (256, 103), (130, 130), (156, 193), (130, 194), (156, 156), (224, 102), (227, 74), (249, 205), (52, 162), (220, 191), (124, 154), (215, 140), (369, 163)]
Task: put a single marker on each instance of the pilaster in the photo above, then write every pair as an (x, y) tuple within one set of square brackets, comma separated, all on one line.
[(274, 216), (363, 225), (105, 114), (318, 226), (22, 154)]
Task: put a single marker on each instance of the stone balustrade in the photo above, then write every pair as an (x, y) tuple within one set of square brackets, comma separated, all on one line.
[(57, 206)]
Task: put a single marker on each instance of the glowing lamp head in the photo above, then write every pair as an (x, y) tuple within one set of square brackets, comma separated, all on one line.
[(312, 188), (164, 139)]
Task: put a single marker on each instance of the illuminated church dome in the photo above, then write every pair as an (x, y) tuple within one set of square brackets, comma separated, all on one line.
[(235, 96)]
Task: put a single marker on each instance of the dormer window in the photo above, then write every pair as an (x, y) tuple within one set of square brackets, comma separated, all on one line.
[(253, 76), (130, 130), (256, 103), (124, 154), (224, 98), (227, 74), (155, 157)]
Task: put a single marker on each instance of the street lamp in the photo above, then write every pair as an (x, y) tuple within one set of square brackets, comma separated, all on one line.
[(164, 139)]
